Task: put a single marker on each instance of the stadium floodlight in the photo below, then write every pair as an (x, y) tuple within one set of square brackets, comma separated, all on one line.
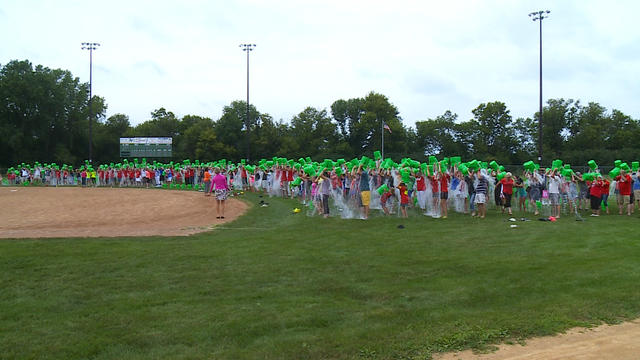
[(539, 16), (90, 46), (248, 48)]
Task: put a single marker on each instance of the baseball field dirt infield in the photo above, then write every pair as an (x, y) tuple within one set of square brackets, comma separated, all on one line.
[(41, 212), (605, 342)]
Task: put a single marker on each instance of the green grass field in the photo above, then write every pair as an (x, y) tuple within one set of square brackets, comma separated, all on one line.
[(277, 285)]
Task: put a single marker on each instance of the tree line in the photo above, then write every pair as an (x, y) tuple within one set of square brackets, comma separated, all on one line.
[(44, 117)]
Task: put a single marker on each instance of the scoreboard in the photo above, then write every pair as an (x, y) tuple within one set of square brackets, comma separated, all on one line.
[(159, 147)]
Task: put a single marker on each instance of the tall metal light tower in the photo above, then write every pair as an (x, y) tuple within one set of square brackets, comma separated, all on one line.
[(248, 48), (539, 16), (90, 47)]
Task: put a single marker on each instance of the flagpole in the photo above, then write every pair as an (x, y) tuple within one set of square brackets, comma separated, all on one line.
[(382, 132)]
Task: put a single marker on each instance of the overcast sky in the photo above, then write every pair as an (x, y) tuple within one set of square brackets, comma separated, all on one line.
[(425, 56)]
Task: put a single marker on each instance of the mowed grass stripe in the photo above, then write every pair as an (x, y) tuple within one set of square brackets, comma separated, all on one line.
[(278, 285)]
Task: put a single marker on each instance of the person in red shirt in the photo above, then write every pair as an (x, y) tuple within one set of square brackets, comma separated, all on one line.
[(284, 181), (421, 190), (132, 177), (595, 194), (290, 174), (83, 175), (385, 197), (192, 174), (435, 193), (404, 199), (244, 178), (507, 192), (443, 179), (624, 188)]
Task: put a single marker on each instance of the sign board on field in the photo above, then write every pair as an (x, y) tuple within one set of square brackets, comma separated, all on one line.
[(148, 147)]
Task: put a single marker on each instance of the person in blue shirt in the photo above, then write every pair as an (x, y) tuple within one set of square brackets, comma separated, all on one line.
[(636, 188)]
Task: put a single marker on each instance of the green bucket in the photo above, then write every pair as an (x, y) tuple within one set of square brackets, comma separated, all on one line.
[(615, 172), (382, 189)]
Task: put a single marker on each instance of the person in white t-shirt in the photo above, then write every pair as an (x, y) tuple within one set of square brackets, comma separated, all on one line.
[(554, 183)]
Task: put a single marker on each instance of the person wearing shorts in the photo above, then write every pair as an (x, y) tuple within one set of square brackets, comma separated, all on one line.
[(583, 191), (435, 191), (481, 195), (443, 179), (535, 192), (221, 188), (404, 199), (554, 192), (324, 181), (595, 192), (624, 187), (365, 193)]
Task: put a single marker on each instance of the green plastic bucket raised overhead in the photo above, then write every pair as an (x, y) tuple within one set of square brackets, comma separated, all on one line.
[(382, 189)]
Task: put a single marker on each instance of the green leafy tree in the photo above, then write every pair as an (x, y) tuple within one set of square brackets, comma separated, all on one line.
[(44, 114), (526, 134), (494, 135), (107, 137), (359, 123), (192, 128), (314, 133), (231, 129), (267, 137), (442, 136)]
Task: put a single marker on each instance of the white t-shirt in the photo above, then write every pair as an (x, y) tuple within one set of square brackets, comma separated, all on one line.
[(554, 184)]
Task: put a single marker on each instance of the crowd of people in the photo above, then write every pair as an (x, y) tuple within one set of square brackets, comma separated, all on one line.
[(354, 189)]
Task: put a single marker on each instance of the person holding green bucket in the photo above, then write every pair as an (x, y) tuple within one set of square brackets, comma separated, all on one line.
[(324, 184), (421, 189), (507, 183), (554, 182), (404, 198), (443, 181), (624, 189), (481, 190), (385, 191), (595, 192), (365, 191), (535, 190)]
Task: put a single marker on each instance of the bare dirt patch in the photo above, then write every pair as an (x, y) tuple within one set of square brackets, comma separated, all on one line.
[(605, 342), (35, 212)]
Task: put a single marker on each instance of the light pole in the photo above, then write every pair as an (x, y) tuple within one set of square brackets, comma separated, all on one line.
[(248, 48), (90, 47), (539, 16)]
